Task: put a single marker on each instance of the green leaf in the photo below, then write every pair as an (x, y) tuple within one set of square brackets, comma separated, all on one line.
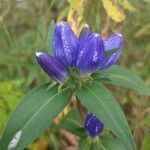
[(73, 124), (100, 101), (50, 36), (112, 144), (33, 115), (7, 37), (118, 75)]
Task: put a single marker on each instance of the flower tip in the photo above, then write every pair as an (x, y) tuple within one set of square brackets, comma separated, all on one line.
[(86, 26), (61, 24), (38, 54), (119, 34), (96, 35), (84, 32)]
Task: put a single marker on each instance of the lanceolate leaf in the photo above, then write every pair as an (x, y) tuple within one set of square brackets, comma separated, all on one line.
[(50, 36), (99, 100), (111, 144), (33, 115), (118, 75)]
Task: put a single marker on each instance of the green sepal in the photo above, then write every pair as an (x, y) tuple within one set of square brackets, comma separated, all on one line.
[(89, 143)]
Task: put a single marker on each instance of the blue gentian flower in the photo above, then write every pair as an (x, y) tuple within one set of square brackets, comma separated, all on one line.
[(52, 66), (90, 54), (65, 44), (115, 41), (87, 53), (93, 125)]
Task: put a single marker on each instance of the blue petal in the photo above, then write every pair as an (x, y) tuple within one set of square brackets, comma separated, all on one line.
[(93, 125), (52, 66), (113, 42), (84, 33), (65, 44), (90, 54)]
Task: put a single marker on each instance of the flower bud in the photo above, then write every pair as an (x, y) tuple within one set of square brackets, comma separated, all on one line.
[(65, 44), (52, 66), (93, 125), (114, 42), (90, 54)]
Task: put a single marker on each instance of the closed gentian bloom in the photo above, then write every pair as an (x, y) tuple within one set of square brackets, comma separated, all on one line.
[(93, 125), (52, 66), (90, 54), (84, 33), (65, 44), (113, 42)]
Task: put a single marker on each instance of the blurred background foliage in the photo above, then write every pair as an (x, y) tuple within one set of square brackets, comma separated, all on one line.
[(24, 27)]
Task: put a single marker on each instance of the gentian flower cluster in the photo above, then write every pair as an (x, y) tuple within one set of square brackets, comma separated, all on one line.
[(87, 53), (93, 126)]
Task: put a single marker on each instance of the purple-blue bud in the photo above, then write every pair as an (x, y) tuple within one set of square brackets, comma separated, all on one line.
[(65, 44), (93, 125), (115, 41), (90, 54), (52, 66)]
